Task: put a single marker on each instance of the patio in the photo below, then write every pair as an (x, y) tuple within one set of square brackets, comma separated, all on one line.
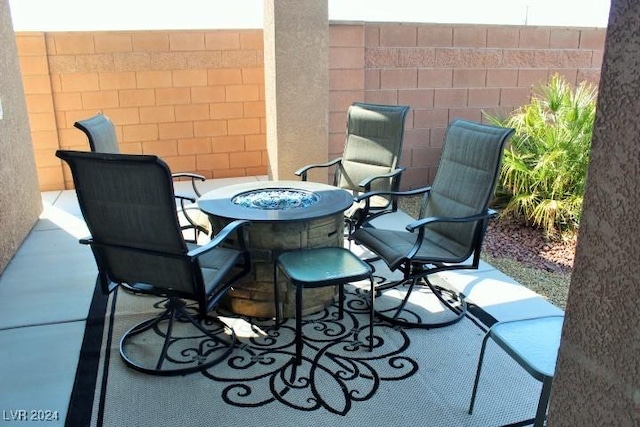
[(47, 289), (45, 308)]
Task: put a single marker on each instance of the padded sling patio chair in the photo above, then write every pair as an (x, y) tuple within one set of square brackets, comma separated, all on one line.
[(370, 159), (147, 253), (102, 137), (449, 232)]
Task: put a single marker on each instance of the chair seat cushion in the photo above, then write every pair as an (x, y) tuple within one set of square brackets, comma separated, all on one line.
[(376, 203), (216, 262), (394, 246), (197, 216)]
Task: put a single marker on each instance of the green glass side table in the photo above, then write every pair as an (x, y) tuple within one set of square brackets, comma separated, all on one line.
[(533, 343), (312, 268)]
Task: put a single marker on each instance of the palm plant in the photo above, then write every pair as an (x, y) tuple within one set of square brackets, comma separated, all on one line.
[(545, 166)]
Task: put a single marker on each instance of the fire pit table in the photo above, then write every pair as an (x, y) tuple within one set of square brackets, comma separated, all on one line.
[(285, 216)]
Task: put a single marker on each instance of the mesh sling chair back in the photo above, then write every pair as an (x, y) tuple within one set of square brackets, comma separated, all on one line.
[(450, 228), (102, 137), (148, 253), (372, 150)]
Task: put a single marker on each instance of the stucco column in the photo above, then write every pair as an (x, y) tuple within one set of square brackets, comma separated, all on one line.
[(597, 380), (296, 68), (20, 202)]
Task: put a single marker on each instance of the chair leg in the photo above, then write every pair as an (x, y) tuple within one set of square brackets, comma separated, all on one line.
[(395, 318), (403, 304), (477, 380), (543, 402), (167, 340), (541, 412)]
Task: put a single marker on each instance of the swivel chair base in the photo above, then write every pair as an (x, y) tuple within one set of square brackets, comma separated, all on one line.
[(408, 314), (176, 351)]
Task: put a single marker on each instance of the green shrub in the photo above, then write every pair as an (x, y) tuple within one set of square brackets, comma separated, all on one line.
[(545, 165)]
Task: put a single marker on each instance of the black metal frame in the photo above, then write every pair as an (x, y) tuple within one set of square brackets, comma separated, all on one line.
[(175, 310)]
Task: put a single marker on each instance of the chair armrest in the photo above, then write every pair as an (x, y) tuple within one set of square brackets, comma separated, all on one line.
[(366, 214), (236, 226), (184, 198), (302, 172), (421, 223), (185, 212), (407, 193), (395, 176), (194, 177), (102, 279), (366, 183)]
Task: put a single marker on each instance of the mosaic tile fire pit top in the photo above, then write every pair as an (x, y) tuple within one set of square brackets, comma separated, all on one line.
[(276, 199)]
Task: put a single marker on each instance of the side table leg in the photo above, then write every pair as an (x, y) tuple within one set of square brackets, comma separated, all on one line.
[(475, 383), (541, 412)]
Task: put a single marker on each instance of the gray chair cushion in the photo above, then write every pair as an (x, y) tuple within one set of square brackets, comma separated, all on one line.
[(373, 144)]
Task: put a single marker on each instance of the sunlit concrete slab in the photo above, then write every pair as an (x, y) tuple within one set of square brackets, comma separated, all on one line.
[(497, 294), (60, 209), (50, 279)]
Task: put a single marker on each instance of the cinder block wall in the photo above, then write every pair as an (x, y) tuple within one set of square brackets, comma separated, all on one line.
[(196, 98), (448, 71)]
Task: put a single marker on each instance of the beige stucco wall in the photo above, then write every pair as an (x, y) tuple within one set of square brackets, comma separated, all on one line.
[(598, 374), (296, 61), (20, 202)]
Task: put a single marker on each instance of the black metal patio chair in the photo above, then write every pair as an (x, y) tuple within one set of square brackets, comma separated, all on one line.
[(128, 205), (449, 232), (372, 150), (102, 137)]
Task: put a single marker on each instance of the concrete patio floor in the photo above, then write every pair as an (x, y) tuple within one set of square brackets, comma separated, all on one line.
[(46, 290)]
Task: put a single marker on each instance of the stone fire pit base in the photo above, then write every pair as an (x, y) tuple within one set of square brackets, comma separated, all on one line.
[(254, 295)]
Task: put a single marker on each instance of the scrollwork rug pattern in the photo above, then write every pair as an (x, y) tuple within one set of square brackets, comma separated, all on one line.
[(411, 376), (335, 356)]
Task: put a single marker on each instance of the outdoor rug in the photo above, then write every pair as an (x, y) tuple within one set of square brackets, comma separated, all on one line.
[(412, 376)]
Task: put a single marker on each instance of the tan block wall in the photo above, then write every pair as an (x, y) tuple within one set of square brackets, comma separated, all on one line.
[(38, 92), (448, 71), (196, 98)]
